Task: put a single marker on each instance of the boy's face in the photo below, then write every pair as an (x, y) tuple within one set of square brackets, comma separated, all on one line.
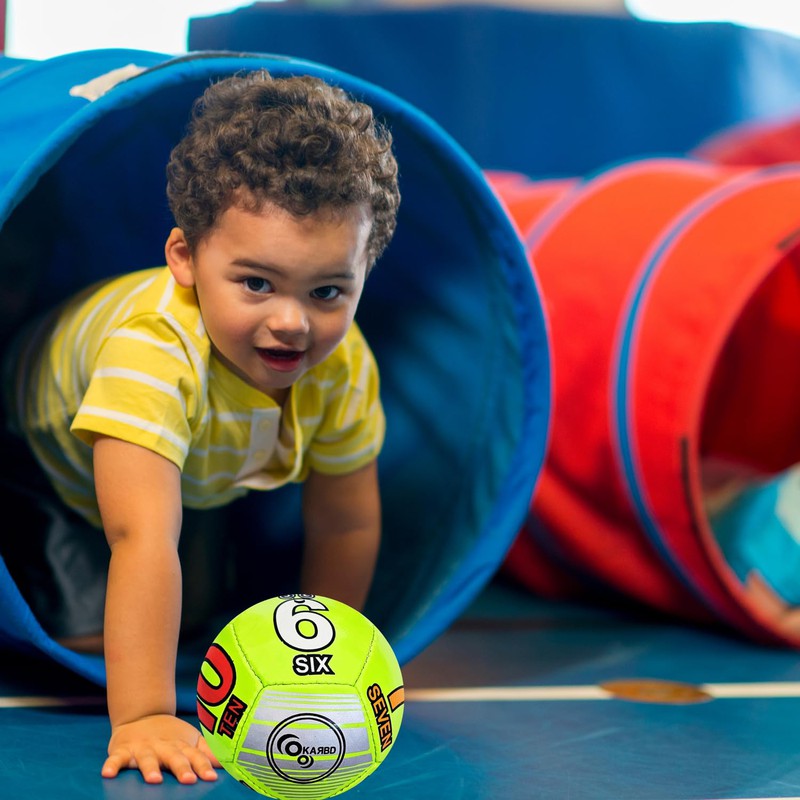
[(277, 292)]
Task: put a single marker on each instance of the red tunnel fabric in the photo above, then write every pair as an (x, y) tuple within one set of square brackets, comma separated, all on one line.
[(657, 275), (753, 143)]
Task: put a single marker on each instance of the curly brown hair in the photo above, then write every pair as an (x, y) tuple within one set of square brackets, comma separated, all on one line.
[(297, 142)]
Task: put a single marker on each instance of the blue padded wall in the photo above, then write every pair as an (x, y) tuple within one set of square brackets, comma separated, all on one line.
[(539, 93)]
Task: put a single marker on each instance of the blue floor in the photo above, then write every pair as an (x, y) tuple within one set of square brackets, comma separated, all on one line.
[(530, 724)]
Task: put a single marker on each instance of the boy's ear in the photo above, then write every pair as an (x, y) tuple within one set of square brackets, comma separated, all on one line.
[(179, 258)]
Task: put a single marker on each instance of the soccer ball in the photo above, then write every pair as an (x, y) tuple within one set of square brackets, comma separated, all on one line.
[(300, 697)]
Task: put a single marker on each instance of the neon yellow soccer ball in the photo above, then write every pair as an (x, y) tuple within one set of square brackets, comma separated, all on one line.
[(300, 697)]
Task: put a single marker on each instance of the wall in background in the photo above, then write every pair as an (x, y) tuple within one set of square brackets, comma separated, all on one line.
[(40, 29), (587, 6)]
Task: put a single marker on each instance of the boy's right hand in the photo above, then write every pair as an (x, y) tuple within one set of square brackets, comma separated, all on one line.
[(160, 742)]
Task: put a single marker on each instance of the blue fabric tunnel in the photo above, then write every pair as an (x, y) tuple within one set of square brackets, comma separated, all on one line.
[(451, 311)]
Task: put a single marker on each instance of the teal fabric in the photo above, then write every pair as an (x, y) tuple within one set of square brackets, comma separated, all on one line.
[(759, 531)]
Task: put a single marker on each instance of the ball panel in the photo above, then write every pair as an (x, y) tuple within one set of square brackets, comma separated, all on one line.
[(302, 636), (301, 735), (381, 684), (226, 690)]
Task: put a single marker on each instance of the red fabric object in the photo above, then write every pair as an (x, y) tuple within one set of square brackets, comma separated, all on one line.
[(528, 200), (656, 276), (753, 144)]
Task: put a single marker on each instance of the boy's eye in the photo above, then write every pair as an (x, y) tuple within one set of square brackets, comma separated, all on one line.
[(259, 285), (327, 292)]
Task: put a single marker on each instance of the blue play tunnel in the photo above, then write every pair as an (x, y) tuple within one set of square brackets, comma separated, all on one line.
[(451, 310)]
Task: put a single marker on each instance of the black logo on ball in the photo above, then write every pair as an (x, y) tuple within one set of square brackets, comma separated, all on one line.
[(305, 748)]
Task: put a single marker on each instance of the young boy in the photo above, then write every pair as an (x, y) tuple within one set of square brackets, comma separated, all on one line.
[(237, 366)]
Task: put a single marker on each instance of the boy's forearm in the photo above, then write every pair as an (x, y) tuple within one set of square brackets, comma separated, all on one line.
[(342, 516), (138, 493), (142, 623), (341, 565)]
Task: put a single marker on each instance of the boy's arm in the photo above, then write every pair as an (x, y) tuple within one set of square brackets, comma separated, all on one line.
[(139, 495), (342, 515)]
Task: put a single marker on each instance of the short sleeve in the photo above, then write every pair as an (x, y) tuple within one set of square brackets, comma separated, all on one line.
[(143, 388)]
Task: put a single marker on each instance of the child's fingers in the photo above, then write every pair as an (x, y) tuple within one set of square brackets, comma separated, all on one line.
[(201, 763), (149, 764), (184, 761), (206, 750), (178, 763), (116, 761), (144, 758)]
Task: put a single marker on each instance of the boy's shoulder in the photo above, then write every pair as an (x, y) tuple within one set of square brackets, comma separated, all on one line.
[(132, 283), (137, 316), (149, 295)]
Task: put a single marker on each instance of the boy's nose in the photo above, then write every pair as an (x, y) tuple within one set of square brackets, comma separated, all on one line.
[(287, 316)]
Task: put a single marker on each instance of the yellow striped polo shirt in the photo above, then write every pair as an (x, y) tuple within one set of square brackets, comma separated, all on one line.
[(130, 358)]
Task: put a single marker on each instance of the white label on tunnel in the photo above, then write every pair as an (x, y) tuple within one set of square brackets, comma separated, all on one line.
[(98, 86)]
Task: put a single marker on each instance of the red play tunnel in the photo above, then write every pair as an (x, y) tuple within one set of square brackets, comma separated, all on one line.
[(672, 289)]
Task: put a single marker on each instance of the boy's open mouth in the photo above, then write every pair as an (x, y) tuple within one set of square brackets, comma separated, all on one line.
[(280, 358)]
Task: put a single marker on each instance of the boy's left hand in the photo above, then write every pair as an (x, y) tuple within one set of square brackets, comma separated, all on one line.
[(160, 742)]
